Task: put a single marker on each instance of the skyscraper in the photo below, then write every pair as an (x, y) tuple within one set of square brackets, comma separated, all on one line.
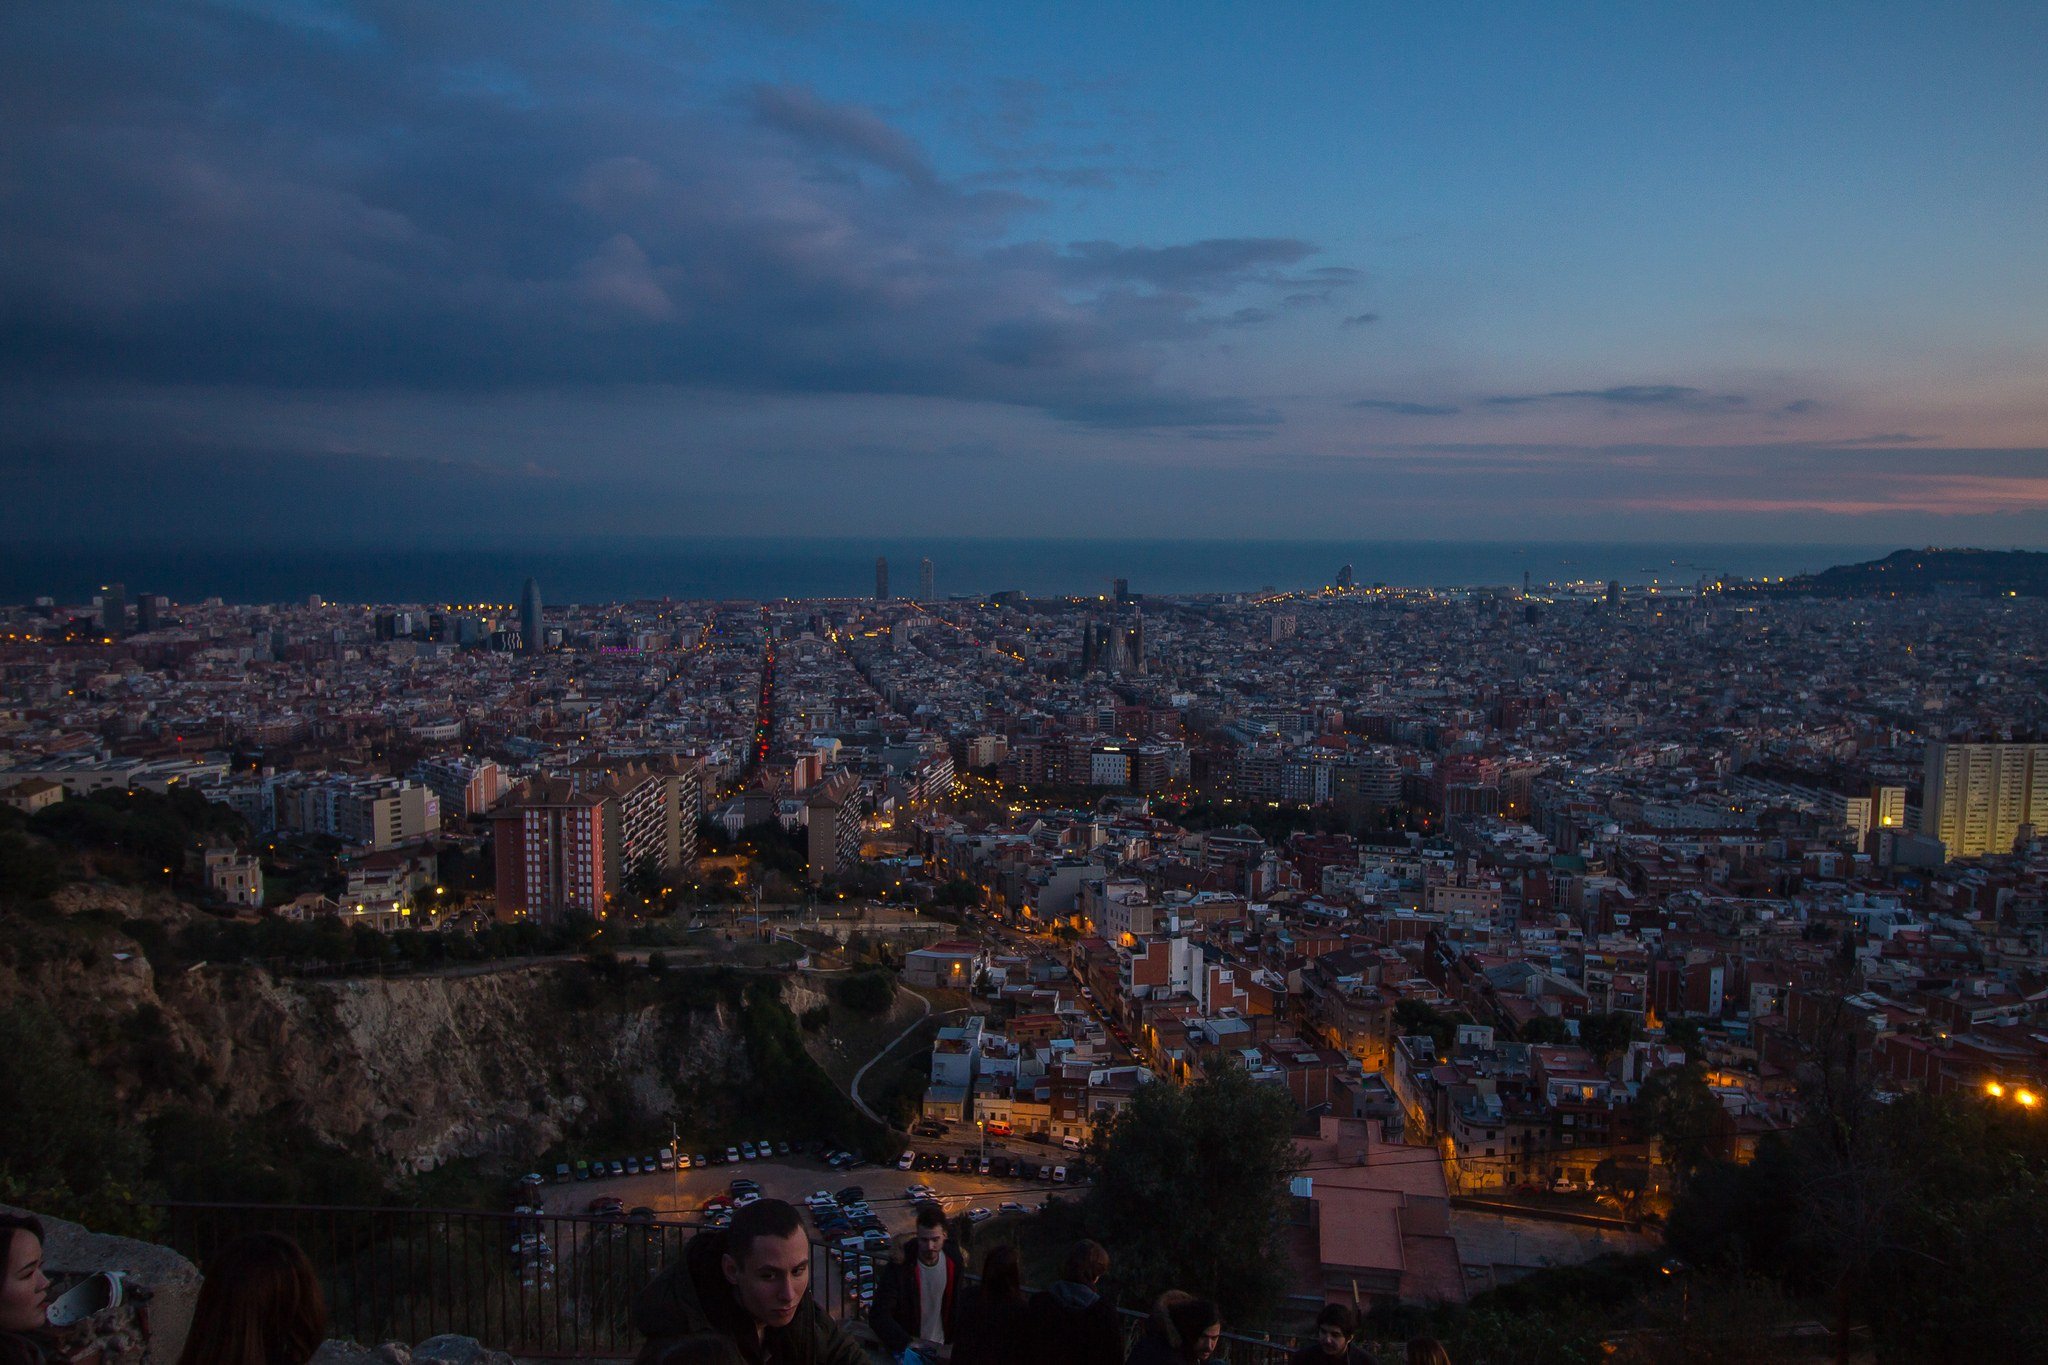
[(531, 641), (881, 578), (924, 579), (1120, 588), (1345, 579), (1975, 797), (114, 609)]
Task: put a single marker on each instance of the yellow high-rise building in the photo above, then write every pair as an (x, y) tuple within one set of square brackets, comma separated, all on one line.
[(1975, 797)]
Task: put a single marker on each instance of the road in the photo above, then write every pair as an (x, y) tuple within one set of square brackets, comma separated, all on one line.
[(853, 1090)]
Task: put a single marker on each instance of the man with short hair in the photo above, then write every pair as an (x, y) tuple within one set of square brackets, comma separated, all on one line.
[(913, 1312), (1332, 1343), (1071, 1320), (751, 1284)]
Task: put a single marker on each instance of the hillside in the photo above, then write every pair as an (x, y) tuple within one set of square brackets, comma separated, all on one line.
[(1956, 572)]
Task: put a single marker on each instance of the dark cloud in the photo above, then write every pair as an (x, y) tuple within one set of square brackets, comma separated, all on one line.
[(1800, 405), (447, 200), (1360, 320), (1406, 409), (840, 128), (1247, 317), (1633, 396), (1885, 438)]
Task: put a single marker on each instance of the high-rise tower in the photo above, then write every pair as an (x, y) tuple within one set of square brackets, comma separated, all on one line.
[(881, 578), (924, 579), (531, 640), (114, 609)]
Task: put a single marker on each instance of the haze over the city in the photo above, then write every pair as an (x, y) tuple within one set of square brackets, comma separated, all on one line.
[(1736, 272)]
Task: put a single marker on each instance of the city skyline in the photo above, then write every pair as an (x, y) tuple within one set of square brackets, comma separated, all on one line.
[(1334, 271)]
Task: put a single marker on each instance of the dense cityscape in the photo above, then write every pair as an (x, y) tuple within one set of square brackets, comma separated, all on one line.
[(866, 682), (1561, 888)]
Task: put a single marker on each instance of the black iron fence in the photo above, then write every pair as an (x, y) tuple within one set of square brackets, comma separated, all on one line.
[(534, 1285), (545, 1285)]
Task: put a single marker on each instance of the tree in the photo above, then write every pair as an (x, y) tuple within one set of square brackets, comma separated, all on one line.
[(68, 1151), (1191, 1191), (867, 992), (1676, 1107), (1605, 1035)]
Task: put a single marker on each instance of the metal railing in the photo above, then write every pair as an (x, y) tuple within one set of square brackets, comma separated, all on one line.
[(534, 1285)]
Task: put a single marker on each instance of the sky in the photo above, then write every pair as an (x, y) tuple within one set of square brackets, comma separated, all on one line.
[(372, 273)]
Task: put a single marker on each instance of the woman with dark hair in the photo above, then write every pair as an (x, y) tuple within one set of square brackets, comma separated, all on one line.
[(24, 1292), (1184, 1330), (993, 1324), (260, 1305)]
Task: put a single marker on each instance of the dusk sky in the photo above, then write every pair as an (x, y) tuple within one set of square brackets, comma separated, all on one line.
[(383, 272)]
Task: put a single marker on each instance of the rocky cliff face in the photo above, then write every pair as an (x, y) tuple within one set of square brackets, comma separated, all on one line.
[(413, 1071)]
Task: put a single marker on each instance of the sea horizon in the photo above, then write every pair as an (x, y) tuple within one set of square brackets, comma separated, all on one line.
[(762, 568)]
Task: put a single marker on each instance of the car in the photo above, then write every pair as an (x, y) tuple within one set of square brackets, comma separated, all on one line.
[(818, 1197), (562, 1175), (983, 1166), (1072, 1144), (953, 1163), (583, 1170), (700, 1160), (746, 1151), (640, 1214), (720, 1219), (852, 1194), (871, 1223), (607, 1206), (1059, 1175), (632, 1165), (1045, 1172), (1009, 1206), (742, 1182), (740, 1201), (618, 1168), (668, 1159), (906, 1161), (732, 1154), (716, 1201), (683, 1161), (850, 1247), (765, 1148), (876, 1241), (782, 1149), (979, 1215)]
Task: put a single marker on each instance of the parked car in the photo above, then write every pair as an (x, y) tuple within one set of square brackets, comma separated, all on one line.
[(852, 1194), (1059, 1175), (683, 1161), (701, 1160), (906, 1161), (583, 1170), (999, 1166), (782, 1149), (618, 1168), (979, 1215), (668, 1159), (640, 1214), (1009, 1206), (607, 1206), (983, 1166), (732, 1154), (1072, 1144), (632, 1165), (746, 1151), (562, 1175)]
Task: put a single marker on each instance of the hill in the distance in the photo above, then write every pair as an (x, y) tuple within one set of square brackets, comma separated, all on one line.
[(1967, 573)]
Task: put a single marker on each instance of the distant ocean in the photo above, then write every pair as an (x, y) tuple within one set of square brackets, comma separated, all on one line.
[(762, 568)]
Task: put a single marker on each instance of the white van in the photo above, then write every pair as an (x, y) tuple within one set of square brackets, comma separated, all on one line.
[(1072, 1144)]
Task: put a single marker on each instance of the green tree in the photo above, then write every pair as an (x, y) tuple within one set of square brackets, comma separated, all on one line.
[(867, 992), (1191, 1191), (1676, 1107), (68, 1150)]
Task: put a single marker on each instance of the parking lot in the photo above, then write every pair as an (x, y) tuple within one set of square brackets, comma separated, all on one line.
[(682, 1194)]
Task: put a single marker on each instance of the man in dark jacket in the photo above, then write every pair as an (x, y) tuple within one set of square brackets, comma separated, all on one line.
[(914, 1303), (750, 1283), (1332, 1344), (1070, 1321)]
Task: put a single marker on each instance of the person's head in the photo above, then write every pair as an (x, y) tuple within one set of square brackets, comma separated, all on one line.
[(1427, 1351), (768, 1261), (1334, 1326), (1002, 1274), (1086, 1262), (928, 1242), (708, 1349), (260, 1304), (1191, 1326), (25, 1292)]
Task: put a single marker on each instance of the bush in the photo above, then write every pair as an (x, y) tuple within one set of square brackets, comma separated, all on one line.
[(867, 992)]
